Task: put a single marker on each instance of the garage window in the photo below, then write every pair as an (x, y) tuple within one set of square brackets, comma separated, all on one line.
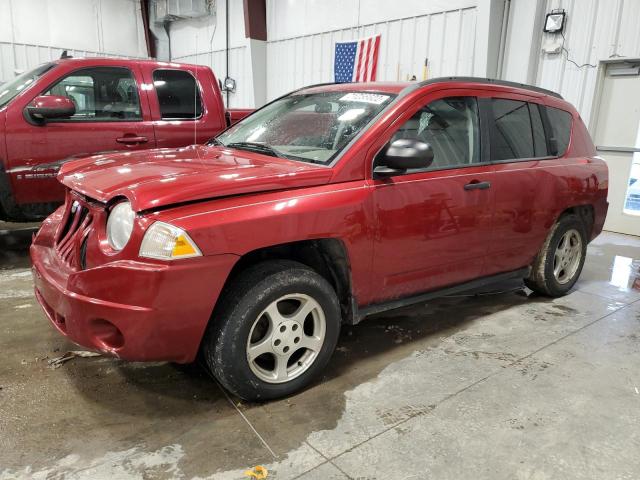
[(511, 135), (178, 95)]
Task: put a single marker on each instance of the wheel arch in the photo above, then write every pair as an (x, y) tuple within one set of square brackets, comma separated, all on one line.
[(586, 213), (327, 256)]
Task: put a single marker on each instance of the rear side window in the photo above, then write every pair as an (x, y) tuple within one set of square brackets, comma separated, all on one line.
[(537, 129), (178, 95), (560, 122), (511, 136)]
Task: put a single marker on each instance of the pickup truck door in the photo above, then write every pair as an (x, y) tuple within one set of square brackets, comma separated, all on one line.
[(433, 225), (110, 115), (186, 104)]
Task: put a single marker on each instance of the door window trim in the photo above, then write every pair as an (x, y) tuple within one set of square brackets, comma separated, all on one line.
[(28, 118), (203, 108)]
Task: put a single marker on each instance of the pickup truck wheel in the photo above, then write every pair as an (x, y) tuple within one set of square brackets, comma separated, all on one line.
[(274, 331), (559, 263)]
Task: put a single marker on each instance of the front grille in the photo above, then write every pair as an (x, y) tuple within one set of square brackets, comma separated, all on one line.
[(74, 229)]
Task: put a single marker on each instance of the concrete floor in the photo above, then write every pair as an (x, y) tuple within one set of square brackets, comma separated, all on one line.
[(499, 386)]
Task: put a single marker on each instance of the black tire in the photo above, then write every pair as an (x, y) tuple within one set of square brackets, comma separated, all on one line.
[(224, 346), (542, 279)]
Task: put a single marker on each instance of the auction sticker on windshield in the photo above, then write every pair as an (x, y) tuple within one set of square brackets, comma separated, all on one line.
[(375, 98)]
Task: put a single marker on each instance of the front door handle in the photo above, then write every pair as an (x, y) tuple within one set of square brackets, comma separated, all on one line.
[(132, 139), (475, 185)]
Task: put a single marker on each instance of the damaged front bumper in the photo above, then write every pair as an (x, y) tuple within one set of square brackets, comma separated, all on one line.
[(132, 309)]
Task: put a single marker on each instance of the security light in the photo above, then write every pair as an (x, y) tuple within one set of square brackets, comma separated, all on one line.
[(554, 23), (229, 85)]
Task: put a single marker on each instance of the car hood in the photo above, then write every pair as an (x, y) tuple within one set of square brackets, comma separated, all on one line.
[(157, 178)]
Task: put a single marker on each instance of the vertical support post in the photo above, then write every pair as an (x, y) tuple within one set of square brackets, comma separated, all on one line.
[(255, 27)]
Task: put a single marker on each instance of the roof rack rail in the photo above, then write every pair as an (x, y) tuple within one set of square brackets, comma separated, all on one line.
[(491, 81)]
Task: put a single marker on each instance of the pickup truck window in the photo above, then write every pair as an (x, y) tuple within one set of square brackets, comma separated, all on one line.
[(100, 94), (178, 95), (450, 126), (11, 89), (312, 127)]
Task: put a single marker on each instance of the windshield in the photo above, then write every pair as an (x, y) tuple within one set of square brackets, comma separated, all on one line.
[(311, 128), (11, 89)]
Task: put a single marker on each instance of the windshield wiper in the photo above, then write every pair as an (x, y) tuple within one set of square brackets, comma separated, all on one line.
[(256, 147)]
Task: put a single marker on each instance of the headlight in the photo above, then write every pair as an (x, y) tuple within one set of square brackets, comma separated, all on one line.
[(167, 242), (120, 225)]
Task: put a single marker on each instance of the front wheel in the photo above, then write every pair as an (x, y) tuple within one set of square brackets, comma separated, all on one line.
[(274, 331), (559, 263)]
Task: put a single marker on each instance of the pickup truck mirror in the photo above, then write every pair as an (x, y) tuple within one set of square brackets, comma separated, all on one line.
[(47, 107), (403, 154)]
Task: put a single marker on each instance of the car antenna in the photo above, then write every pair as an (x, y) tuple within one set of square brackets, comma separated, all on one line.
[(65, 55)]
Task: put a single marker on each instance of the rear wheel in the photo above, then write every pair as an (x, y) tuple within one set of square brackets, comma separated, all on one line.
[(274, 331), (559, 263)]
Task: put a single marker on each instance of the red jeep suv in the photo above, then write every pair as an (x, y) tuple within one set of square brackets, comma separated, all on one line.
[(322, 207)]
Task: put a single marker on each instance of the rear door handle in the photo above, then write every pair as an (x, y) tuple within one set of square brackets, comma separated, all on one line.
[(475, 185), (129, 140)]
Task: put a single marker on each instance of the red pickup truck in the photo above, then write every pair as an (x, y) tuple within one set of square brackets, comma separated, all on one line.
[(73, 108), (323, 207)]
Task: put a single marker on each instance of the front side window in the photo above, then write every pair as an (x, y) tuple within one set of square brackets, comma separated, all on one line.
[(10, 90), (450, 126), (101, 94), (178, 95), (560, 130), (312, 127), (512, 136)]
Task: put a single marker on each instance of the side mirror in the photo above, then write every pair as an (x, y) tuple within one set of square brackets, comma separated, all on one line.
[(404, 154), (47, 107)]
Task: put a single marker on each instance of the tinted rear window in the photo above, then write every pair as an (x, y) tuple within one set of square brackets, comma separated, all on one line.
[(560, 130), (178, 94), (511, 136), (537, 128)]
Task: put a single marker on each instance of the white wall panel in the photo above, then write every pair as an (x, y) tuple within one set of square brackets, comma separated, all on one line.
[(447, 39), (36, 31), (596, 31), (202, 41), (295, 18), (19, 57)]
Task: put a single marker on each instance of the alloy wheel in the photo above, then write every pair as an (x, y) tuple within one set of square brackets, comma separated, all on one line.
[(286, 338), (567, 256)]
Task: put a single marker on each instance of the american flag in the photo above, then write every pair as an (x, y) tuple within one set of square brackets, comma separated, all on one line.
[(357, 61)]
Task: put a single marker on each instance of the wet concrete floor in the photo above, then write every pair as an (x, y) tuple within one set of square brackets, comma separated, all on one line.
[(503, 385)]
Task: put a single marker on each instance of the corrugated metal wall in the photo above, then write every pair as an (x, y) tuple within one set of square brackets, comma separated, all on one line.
[(36, 31), (447, 39), (596, 30), (19, 57)]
